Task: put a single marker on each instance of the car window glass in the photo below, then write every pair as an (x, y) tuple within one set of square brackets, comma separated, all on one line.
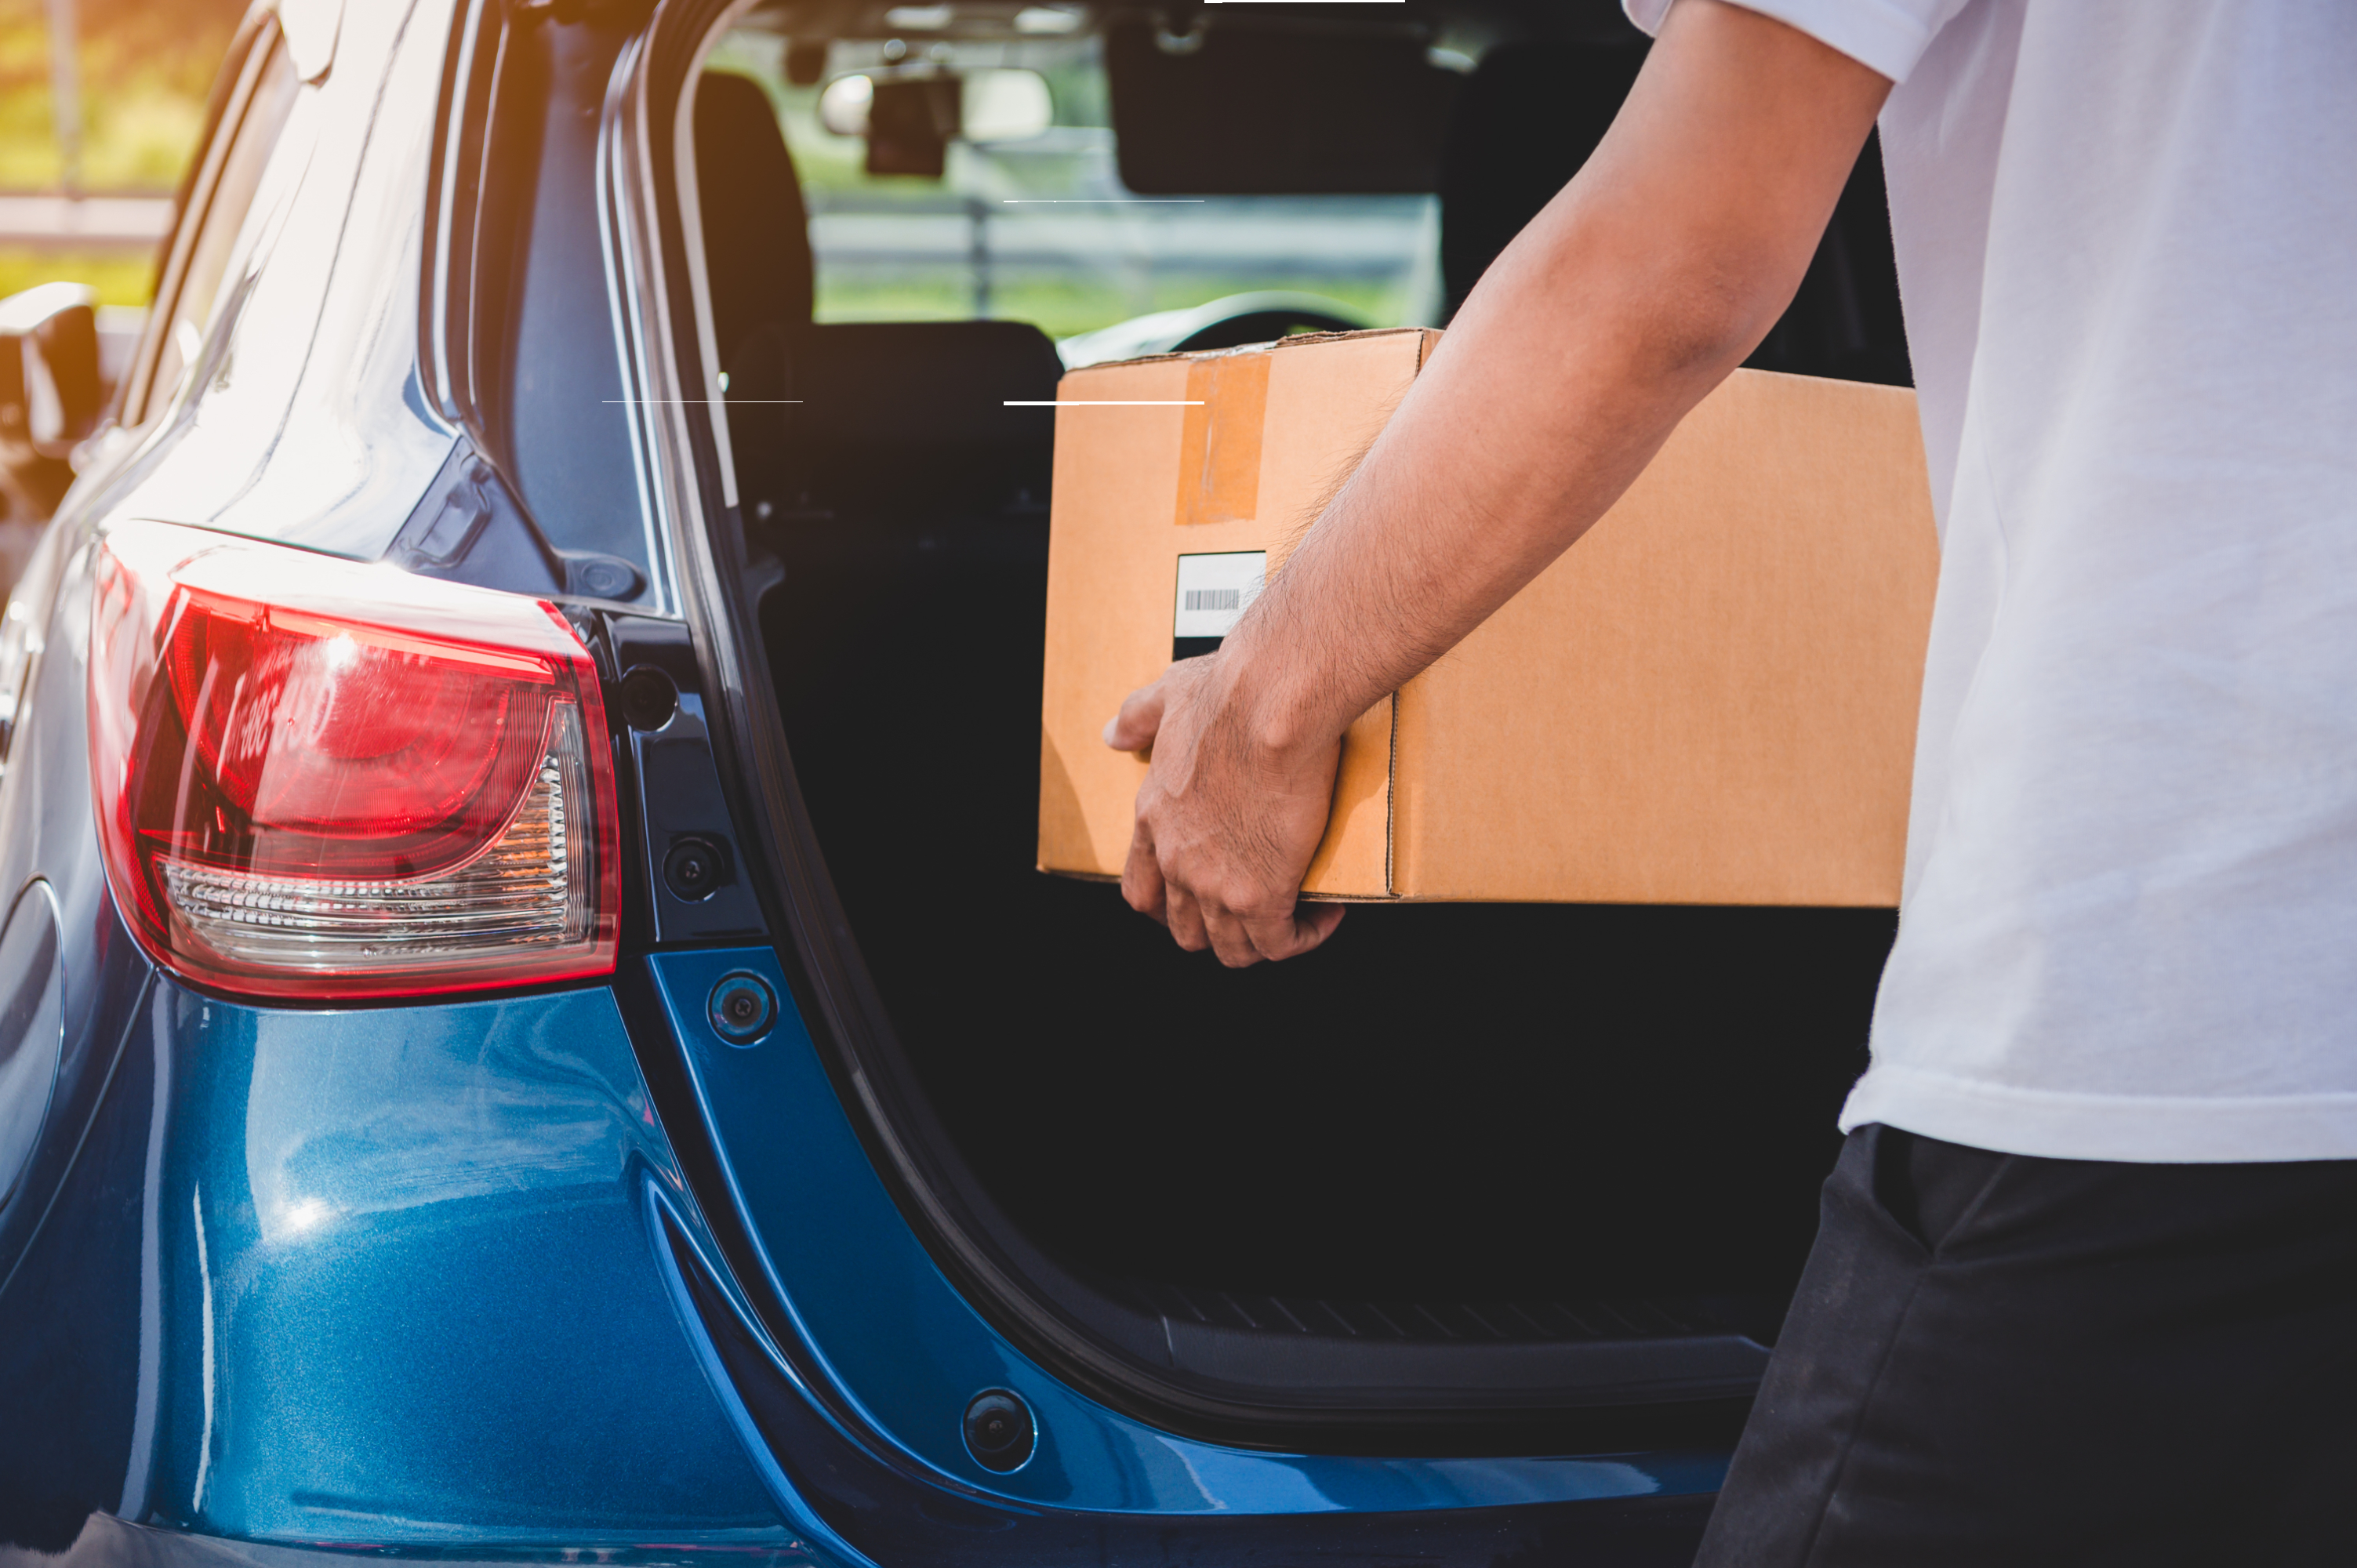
[(1037, 227), (543, 303), (225, 209)]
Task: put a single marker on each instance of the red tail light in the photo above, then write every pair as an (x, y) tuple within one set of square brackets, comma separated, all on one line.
[(328, 781)]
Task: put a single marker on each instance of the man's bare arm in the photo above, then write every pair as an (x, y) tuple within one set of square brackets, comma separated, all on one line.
[(1634, 294)]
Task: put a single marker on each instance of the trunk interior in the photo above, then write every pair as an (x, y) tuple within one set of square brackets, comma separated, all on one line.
[(1462, 1159), (1469, 1178)]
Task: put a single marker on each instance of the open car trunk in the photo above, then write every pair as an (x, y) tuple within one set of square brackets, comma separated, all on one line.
[(1466, 1176)]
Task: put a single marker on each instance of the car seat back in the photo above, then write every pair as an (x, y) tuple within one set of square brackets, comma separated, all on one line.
[(756, 250), (886, 415)]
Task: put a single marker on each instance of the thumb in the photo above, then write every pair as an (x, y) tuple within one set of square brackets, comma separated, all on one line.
[(1304, 927), (1140, 719)]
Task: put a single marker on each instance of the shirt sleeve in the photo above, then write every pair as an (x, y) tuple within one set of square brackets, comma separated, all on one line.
[(1887, 36)]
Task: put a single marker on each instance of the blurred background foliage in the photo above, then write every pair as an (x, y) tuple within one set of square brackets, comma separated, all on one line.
[(147, 67)]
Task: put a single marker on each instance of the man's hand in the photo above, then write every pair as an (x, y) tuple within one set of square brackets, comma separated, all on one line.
[(1641, 285), (1226, 824)]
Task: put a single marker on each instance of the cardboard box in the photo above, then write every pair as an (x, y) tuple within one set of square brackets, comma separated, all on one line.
[(1710, 699)]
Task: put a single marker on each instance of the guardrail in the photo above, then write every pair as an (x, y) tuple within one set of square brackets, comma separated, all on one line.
[(120, 224), (1260, 242)]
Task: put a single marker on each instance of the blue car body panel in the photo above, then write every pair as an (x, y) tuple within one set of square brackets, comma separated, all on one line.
[(378, 1278)]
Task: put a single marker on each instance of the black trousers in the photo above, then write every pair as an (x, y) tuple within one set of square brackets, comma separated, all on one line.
[(1996, 1359)]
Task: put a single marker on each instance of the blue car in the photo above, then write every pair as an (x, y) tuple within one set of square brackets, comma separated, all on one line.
[(530, 1029)]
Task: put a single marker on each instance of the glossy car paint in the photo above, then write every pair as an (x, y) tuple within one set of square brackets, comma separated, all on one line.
[(390, 1282), (437, 1281), (32, 1026)]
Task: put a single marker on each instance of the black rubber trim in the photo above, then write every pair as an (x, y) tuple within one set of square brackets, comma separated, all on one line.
[(896, 1516)]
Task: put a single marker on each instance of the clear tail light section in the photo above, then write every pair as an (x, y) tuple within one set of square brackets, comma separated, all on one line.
[(324, 780)]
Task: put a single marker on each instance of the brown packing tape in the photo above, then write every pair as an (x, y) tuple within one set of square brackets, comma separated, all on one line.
[(1218, 470)]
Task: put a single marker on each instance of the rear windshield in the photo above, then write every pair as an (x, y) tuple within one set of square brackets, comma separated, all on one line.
[(1031, 223)]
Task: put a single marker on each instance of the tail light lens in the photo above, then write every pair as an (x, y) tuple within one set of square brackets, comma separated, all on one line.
[(328, 780)]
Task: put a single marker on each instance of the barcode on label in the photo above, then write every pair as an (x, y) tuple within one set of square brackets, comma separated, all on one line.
[(1214, 591)]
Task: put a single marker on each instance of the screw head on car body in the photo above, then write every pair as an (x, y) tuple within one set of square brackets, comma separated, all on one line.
[(999, 1430), (691, 870), (742, 1008), (648, 698)]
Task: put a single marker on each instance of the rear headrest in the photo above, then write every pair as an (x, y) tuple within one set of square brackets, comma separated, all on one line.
[(895, 411), (1526, 121), (756, 250)]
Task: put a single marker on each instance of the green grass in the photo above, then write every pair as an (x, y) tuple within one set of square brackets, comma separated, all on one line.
[(119, 279), (1061, 305)]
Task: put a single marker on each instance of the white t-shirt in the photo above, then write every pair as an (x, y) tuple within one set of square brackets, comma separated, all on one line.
[(2127, 233)]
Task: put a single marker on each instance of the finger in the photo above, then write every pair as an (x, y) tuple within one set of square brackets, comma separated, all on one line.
[(1185, 919), (1296, 931), (1141, 876), (1140, 719), (1229, 937)]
